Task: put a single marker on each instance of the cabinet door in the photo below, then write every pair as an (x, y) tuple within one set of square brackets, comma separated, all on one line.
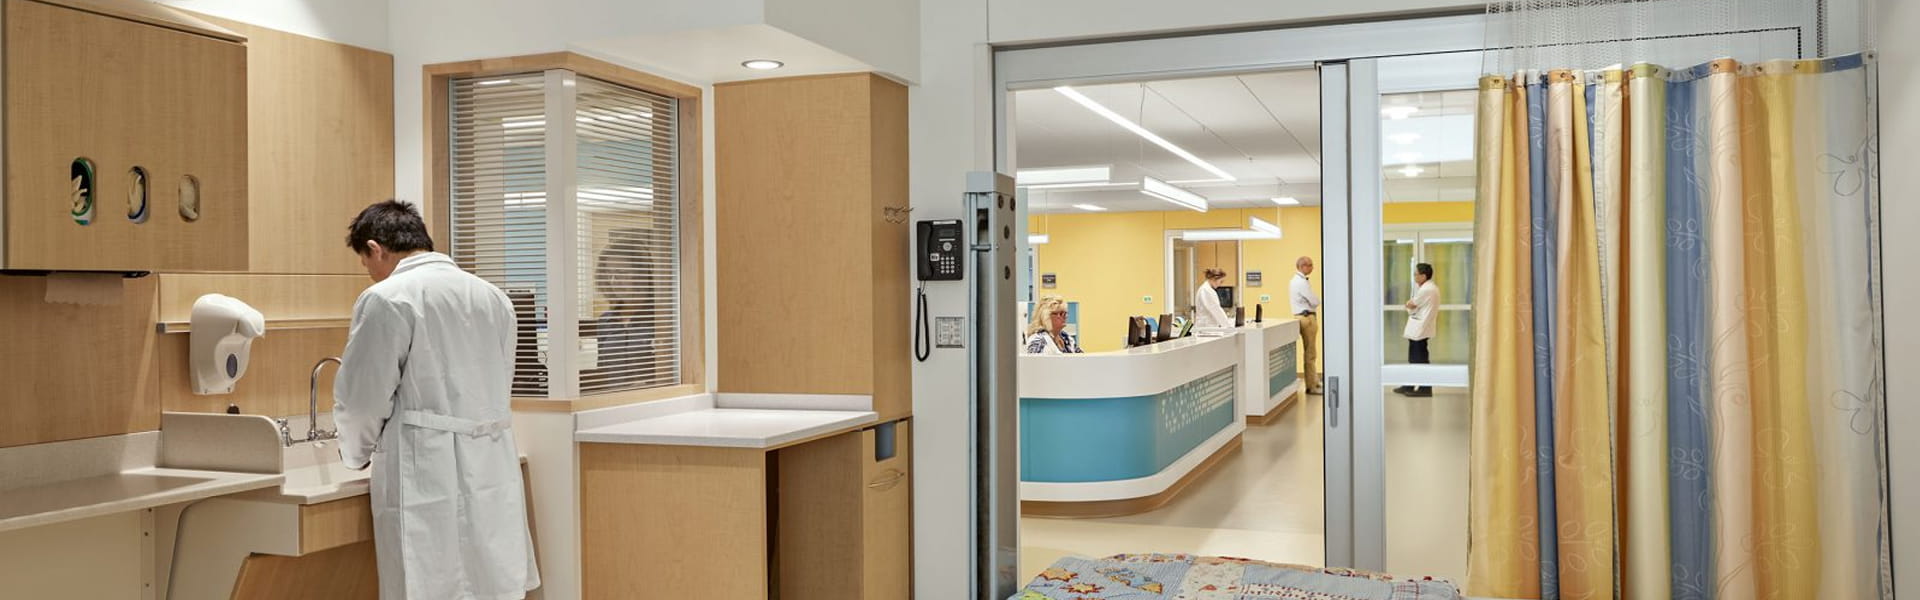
[(888, 508), (122, 95)]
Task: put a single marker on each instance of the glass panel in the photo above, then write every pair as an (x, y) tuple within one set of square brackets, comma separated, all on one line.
[(1452, 260), (1398, 257)]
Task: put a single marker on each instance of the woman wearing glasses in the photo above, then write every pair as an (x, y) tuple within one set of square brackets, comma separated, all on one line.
[(1046, 332)]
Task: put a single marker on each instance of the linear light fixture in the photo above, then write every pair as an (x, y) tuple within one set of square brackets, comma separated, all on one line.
[(1038, 239), (1090, 208), (1287, 201), (1219, 235), (1091, 185), (1259, 225), (1129, 125), (1063, 175), (1172, 193)]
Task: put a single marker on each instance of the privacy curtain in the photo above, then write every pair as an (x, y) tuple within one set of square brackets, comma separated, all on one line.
[(1677, 387)]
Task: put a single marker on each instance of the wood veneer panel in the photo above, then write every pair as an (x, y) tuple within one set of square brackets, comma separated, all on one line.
[(71, 372), (345, 573), (330, 525), (892, 292), (122, 94), (673, 522), (275, 384)]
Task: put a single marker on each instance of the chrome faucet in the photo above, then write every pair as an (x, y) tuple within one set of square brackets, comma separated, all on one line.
[(314, 433)]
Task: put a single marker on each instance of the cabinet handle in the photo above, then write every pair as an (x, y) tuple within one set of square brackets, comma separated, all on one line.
[(887, 481)]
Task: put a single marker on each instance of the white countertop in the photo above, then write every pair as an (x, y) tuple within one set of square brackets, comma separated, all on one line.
[(728, 427), (131, 490), (1140, 371)]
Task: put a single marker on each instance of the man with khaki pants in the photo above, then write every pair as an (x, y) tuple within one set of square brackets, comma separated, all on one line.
[(1306, 307)]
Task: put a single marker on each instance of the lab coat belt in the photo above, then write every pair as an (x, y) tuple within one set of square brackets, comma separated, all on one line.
[(469, 427)]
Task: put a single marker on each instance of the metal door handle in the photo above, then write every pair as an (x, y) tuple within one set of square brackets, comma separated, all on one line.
[(1333, 401)]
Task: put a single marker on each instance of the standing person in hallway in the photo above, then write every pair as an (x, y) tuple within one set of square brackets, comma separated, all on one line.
[(421, 396), (1207, 311), (1306, 307), (1421, 325)]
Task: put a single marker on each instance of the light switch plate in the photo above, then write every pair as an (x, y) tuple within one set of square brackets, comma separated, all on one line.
[(1266, 298), (950, 332), (1146, 299)]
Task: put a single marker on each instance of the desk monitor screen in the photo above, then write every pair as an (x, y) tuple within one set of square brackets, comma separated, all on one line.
[(1166, 328), (1226, 295), (1137, 332)]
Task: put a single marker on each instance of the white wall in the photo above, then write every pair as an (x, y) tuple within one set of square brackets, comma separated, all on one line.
[(360, 23), (1899, 215), (881, 33), (1020, 21)]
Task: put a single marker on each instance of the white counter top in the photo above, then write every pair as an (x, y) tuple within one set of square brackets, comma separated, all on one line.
[(136, 489), (1139, 371), (729, 427)]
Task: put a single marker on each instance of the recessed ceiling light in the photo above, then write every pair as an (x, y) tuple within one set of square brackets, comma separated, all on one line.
[(761, 64), (1399, 112), (1038, 239), (1412, 171), (495, 82), (1287, 201), (1090, 207), (1129, 125)]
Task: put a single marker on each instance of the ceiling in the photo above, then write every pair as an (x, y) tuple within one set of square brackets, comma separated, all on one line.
[(1263, 129)]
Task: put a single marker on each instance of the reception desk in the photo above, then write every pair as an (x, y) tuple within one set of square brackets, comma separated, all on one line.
[(1122, 432)]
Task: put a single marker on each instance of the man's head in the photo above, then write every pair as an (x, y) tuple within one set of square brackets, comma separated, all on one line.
[(1422, 273), (1305, 265), (384, 234)]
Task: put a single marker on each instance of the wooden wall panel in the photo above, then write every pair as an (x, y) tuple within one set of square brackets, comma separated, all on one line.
[(673, 522), (793, 162), (887, 530), (319, 146), (276, 296), (344, 573), (276, 381), (330, 525), (819, 549), (122, 94), (71, 372), (892, 292)]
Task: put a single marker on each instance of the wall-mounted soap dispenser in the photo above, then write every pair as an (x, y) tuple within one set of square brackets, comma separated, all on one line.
[(222, 334)]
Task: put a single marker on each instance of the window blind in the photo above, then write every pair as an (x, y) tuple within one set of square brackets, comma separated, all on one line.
[(577, 219)]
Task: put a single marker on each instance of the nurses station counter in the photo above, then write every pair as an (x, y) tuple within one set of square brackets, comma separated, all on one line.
[(1123, 432)]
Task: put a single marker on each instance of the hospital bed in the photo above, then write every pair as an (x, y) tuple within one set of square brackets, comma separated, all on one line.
[(1190, 577)]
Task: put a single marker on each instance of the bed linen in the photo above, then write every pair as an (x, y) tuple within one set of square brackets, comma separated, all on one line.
[(1190, 577)]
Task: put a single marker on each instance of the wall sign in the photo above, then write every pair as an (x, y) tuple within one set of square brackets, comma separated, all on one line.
[(1253, 279), (1048, 281)]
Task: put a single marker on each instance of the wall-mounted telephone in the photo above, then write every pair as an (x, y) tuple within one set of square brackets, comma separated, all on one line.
[(939, 247)]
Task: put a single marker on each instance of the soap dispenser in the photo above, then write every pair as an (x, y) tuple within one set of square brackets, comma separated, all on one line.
[(223, 329)]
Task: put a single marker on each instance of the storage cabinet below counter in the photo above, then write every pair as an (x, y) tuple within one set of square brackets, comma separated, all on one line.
[(125, 139)]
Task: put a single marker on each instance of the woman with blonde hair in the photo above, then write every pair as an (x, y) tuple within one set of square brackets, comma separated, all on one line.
[(1046, 330)]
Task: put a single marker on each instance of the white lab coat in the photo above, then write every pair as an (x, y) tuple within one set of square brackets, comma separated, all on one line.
[(1421, 321), (422, 394), (1206, 308)]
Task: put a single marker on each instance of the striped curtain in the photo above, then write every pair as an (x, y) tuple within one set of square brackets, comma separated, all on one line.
[(1677, 385)]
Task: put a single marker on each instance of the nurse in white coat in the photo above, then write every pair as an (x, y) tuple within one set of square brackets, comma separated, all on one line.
[(1206, 302), (422, 396)]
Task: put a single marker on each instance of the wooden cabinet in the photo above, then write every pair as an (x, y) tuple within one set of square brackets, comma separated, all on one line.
[(114, 92), (811, 185), (844, 530)]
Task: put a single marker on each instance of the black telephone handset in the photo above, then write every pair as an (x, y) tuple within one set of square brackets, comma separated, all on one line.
[(939, 247)]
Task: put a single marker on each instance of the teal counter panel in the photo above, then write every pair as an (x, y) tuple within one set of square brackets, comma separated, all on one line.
[(1110, 439), (1282, 368)]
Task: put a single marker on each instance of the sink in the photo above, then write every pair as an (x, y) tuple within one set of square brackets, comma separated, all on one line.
[(313, 469)]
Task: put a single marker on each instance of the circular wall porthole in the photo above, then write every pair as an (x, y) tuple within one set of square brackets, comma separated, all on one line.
[(137, 195), (80, 194), (190, 198)]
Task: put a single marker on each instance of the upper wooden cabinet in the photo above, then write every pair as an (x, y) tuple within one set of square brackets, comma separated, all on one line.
[(145, 102)]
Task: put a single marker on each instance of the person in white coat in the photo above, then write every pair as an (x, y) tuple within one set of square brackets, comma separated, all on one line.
[(422, 397), (1207, 311), (1422, 323)]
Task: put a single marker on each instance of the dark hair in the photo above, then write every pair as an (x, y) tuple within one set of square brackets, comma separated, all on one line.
[(1215, 273), (395, 224), (1424, 269)]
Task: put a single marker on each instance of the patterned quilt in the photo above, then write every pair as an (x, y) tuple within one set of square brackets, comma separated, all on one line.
[(1189, 577)]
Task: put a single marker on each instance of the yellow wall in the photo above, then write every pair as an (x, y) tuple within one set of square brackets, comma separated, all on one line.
[(1110, 262)]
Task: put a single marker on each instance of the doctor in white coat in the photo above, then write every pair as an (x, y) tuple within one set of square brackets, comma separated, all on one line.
[(422, 396), (1206, 302)]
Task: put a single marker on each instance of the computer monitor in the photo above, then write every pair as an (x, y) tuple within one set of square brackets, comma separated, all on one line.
[(1137, 332), (1226, 295), (1166, 327)]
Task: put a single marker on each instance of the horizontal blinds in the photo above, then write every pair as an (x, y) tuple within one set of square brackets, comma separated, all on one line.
[(627, 177), (497, 203)]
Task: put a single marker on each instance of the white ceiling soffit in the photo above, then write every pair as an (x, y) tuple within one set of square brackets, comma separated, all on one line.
[(1264, 129), (707, 56)]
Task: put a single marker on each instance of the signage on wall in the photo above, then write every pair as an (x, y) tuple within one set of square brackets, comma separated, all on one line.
[(1253, 279), (1047, 280)]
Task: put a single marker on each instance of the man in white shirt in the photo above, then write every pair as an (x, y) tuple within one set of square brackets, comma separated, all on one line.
[(1306, 307), (1422, 322)]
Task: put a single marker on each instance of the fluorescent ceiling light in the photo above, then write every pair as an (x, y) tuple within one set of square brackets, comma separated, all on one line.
[(1259, 225), (1033, 177), (1082, 186), (1038, 239), (1404, 138), (1399, 112), (1220, 235), (1412, 171), (1287, 201), (761, 64), (1199, 181), (1090, 207), (1171, 193), (495, 82), (1129, 125)]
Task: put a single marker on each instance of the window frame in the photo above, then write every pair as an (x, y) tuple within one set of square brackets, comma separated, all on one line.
[(691, 220)]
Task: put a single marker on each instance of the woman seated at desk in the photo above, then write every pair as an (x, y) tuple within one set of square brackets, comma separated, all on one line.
[(1046, 332)]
